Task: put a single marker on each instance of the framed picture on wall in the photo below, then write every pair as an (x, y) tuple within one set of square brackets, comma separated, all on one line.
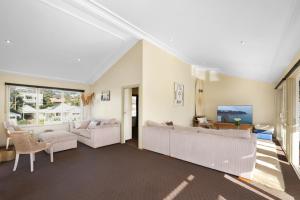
[(178, 94), (105, 95)]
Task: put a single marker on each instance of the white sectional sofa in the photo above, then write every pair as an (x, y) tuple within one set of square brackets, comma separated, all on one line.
[(230, 151), (106, 133)]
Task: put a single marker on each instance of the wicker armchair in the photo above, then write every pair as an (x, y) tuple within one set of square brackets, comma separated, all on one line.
[(11, 128), (26, 144)]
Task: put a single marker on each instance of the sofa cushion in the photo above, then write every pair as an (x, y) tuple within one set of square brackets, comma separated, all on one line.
[(186, 128), (82, 132), (238, 133), (109, 122), (158, 125)]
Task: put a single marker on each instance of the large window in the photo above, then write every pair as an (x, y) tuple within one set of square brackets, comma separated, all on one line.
[(42, 106)]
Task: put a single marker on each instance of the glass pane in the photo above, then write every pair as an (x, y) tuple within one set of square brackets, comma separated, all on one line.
[(298, 129), (22, 104), (133, 109), (50, 106), (71, 107)]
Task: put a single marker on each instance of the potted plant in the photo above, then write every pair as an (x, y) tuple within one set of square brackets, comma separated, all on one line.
[(237, 122)]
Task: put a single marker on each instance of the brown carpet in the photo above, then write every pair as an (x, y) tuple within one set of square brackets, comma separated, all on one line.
[(124, 172)]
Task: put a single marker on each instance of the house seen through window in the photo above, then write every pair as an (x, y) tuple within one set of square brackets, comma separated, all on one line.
[(42, 106)]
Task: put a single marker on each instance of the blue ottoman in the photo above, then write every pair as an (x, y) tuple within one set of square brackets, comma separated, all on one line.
[(264, 132)]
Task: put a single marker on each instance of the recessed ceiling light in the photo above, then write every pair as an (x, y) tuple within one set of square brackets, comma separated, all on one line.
[(78, 59), (243, 42), (7, 41)]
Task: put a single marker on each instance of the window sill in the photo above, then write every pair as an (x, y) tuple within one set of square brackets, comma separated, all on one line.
[(36, 126)]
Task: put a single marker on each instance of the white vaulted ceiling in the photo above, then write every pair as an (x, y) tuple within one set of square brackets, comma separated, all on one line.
[(240, 37), (56, 40), (254, 39)]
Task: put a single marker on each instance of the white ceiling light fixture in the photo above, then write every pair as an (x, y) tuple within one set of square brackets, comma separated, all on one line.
[(78, 59), (243, 43), (205, 73), (213, 75), (199, 72), (7, 41)]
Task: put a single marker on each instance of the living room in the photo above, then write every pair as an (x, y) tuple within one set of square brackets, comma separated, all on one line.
[(203, 106)]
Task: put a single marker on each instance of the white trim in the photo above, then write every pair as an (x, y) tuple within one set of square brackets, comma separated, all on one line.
[(56, 6), (139, 33), (116, 20), (42, 76), (288, 23), (140, 113), (7, 103), (120, 22), (297, 171)]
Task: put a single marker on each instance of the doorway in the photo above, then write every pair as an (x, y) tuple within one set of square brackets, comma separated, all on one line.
[(130, 125)]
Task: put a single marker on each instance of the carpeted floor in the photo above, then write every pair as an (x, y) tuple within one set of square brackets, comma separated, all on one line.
[(124, 172)]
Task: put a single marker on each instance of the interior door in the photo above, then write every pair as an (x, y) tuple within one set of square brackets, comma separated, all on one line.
[(127, 118)]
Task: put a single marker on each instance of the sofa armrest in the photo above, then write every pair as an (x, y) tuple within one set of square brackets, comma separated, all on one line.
[(71, 126), (107, 126)]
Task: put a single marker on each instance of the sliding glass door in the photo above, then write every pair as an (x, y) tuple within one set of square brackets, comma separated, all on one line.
[(296, 137), (281, 116)]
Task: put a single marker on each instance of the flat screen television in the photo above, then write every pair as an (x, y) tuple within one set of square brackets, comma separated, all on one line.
[(227, 114)]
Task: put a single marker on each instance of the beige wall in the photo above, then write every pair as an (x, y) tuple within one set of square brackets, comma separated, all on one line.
[(20, 79), (160, 71), (127, 71), (231, 90)]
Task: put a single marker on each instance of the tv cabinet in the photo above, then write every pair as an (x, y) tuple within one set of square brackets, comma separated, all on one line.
[(222, 125)]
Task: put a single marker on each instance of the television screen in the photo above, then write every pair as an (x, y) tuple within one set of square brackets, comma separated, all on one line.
[(227, 114)]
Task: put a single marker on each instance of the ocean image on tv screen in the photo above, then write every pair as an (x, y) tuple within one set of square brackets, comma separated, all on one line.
[(228, 113)]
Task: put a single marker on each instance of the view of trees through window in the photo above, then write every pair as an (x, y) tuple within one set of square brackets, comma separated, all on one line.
[(28, 105)]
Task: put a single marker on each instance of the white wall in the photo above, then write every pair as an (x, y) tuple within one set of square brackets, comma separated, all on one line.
[(160, 71)]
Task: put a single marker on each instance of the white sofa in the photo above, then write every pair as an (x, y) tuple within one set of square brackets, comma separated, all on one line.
[(230, 151), (107, 133)]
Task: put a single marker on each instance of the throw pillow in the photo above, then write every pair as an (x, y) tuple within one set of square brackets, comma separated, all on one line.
[(92, 124), (169, 123), (77, 125), (84, 124)]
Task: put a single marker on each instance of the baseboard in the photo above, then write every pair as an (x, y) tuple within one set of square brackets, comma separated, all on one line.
[(297, 171), (245, 179)]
